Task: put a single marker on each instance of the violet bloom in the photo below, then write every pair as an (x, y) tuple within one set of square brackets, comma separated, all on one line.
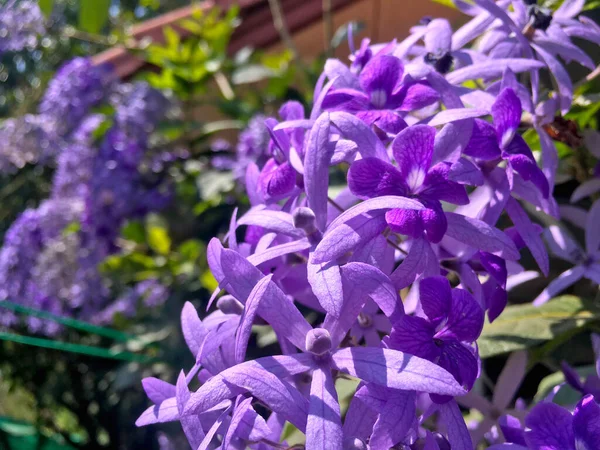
[(453, 321), (383, 95), (501, 141), (21, 22), (586, 262), (414, 177), (551, 427)]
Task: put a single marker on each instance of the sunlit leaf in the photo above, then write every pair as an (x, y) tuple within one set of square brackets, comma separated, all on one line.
[(158, 239), (93, 15)]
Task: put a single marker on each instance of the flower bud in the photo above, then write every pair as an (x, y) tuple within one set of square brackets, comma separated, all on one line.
[(318, 341), (229, 305)]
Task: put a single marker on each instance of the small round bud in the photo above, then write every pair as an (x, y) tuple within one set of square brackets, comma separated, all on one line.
[(318, 341), (229, 305), (353, 443), (304, 218)]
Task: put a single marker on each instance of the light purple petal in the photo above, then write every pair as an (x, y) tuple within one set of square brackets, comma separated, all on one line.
[(413, 151), (566, 279), (551, 427), (245, 327), (438, 36), (451, 140), (395, 370), (158, 390), (415, 96), (193, 330), (324, 425), (565, 86), (372, 177), (567, 51), (592, 235), (212, 432), (279, 250), (464, 171), (379, 78), (276, 221), (458, 434), (335, 69), (484, 141), (506, 112), (465, 319), (529, 234), (562, 244), (354, 129), (192, 427), (437, 185), (394, 420), (480, 235), (510, 379), (166, 411), (263, 379), (586, 423), (316, 172), (454, 114), (436, 298), (471, 30), (492, 69), (585, 189), (326, 282), (569, 8), (420, 259), (349, 236)]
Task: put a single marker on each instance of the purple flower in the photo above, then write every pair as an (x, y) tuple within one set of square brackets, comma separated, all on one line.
[(490, 143), (453, 322), (383, 94), (586, 262), (21, 22), (415, 177)]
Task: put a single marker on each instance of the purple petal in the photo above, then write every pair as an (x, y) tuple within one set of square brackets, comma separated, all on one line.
[(324, 425), (335, 69), (316, 172), (585, 189), (421, 259), (452, 140), (551, 427), (569, 8), (279, 250), (251, 182), (438, 186), (276, 180), (465, 319), (407, 222), (436, 298), (512, 430), (416, 95), (326, 282), (495, 266), (586, 423), (465, 172), (562, 244), (510, 379), (245, 327), (438, 36), (349, 236), (413, 150), (565, 86), (166, 411), (454, 114), (480, 235), (484, 141), (492, 69), (389, 121), (394, 420), (414, 335), (565, 279), (157, 390), (592, 236), (345, 151), (263, 379), (193, 330), (529, 234), (395, 370), (354, 129), (372, 177), (379, 78), (471, 29), (192, 427), (506, 112), (521, 159), (205, 444), (458, 434), (276, 221)]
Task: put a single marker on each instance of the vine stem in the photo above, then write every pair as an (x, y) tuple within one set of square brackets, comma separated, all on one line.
[(284, 34)]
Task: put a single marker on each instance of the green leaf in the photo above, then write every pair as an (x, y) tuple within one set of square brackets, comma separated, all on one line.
[(525, 326), (566, 394), (158, 239), (93, 15), (448, 3), (46, 6), (88, 350)]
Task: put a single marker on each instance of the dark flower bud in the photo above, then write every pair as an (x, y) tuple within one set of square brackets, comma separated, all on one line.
[(318, 341), (539, 18), (530, 2), (229, 305), (442, 63), (425, 20)]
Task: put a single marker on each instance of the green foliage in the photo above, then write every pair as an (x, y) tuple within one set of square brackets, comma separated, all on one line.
[(93, 15), (525, 326), (16, 435), (46, 6), (566, 395)]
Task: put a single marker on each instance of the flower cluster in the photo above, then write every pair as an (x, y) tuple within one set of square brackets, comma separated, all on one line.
[(21, 22), (51, 254), (430, 163)]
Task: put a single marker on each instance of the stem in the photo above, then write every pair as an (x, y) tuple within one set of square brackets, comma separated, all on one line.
[(224, 85), (589, 77), (328, 27), (98, 39), (281, 27)]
